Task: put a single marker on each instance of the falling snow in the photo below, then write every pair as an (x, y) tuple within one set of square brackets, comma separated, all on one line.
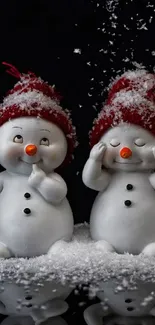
[(77, 51)]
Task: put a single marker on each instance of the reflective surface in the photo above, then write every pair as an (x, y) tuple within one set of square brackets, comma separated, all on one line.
[(82, 311), (29, 321)]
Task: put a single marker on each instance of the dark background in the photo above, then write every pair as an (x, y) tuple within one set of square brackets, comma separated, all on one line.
[(112, 36), (42, 36)]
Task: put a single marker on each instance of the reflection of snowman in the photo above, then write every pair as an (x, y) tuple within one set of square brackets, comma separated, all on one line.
[(36, 137), (121, 165), (95, 315), (28, 321), (40, 301)]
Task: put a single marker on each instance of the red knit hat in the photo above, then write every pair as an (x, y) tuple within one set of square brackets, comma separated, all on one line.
[(31, 96), (131, 99)]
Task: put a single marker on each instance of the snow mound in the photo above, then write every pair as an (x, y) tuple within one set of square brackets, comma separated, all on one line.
[(79, 262)]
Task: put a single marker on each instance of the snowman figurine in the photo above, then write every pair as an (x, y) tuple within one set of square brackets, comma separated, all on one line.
[(37, 136), (121, 167)]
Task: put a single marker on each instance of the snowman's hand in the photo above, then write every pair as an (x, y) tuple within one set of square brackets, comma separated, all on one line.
[(36, 177), (98, 151), (93, 175)]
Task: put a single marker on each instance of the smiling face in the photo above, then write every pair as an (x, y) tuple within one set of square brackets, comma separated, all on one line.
[(26, 141), (129, 148)]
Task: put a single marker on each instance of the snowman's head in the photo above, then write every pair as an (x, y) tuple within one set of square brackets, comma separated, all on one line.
[(30, 140), (128, 148)]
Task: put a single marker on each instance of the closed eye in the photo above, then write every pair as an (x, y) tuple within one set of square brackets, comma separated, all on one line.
[(139, 142), (114, 142), (114, 145)]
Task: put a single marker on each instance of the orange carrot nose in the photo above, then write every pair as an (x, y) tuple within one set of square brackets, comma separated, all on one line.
[(125, 153), (31, 149)]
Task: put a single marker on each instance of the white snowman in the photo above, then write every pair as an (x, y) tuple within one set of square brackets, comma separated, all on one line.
[(36, 137), (121, 167)]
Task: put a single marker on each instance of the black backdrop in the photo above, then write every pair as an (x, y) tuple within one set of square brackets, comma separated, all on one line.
[(43, 36), (78, 45)]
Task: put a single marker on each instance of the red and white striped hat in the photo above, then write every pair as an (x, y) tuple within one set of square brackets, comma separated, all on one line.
[(131, 99), (31, 96)]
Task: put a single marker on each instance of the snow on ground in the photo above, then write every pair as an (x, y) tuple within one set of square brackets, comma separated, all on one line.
[(79, 262)]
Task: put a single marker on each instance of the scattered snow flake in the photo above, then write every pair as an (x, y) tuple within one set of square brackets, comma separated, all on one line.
[(90, 95), (143, 27), (114, 16), (125, 283), (77, 51), (89, 63), (153, 53), (82, 303), (126, 59), (113, 24), (111, 5), (150, 20), (138, 65), (111, 42), (126, 27), (119, 288), (150, 5)]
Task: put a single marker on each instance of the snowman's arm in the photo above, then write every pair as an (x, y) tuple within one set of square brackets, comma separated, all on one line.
[(94, 177), (152, 180), (53, 188)]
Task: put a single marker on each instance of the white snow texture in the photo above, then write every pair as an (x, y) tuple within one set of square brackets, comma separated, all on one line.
[(79, 262)]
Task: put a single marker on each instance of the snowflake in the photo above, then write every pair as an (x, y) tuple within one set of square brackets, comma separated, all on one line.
[(77, 51)]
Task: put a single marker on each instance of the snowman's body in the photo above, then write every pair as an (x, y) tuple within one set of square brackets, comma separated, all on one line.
[(30, 234), (34, 210), (123, 214), (127, 229)]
